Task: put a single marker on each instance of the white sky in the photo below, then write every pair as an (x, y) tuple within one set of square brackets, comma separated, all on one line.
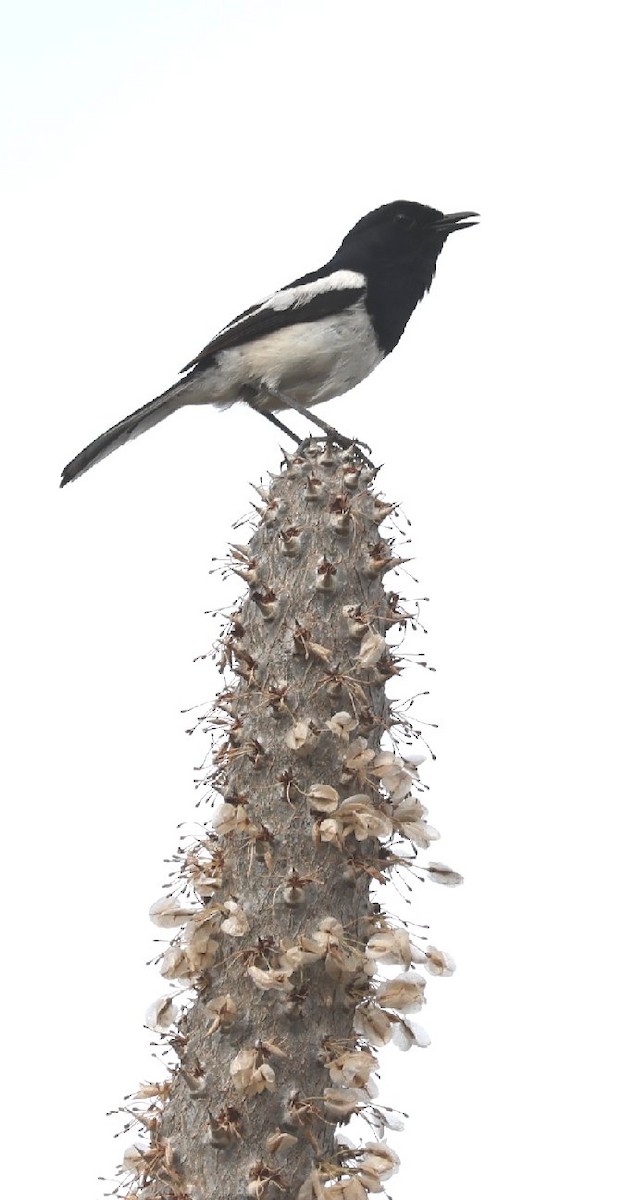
[(167, 164)]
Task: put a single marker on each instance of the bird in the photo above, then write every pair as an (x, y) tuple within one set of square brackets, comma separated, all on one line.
[(315, 338)]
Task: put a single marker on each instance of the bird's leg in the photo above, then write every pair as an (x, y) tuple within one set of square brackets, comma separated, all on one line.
[(274, 421), (329, 430)]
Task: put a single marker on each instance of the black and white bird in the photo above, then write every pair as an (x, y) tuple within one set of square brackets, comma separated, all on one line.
[(314, 339)]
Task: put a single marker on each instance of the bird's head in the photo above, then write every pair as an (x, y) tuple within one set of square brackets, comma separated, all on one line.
[(403, 230)]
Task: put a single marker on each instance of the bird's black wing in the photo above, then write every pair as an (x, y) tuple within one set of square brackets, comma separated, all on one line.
[(306, 299)]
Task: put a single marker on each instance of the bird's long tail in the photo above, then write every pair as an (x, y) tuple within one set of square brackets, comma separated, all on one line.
[(137, 422)]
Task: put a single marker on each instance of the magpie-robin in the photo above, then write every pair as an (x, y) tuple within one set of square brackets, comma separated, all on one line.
[(313, 339)]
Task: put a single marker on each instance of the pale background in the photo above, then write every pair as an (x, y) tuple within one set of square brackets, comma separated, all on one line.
[(166, 164)]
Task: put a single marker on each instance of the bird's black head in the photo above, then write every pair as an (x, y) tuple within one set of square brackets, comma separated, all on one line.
[(396, 247), (402, 229)]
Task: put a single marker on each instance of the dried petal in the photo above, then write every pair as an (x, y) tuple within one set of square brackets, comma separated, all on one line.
[(440, 873), (408, 811), (371, 650), (264, 1077), (280, 1142), (269, 980), (205, 877), (329, 927), (312, 1188), (329, 830), (409, 1033), (378, 1157), (390, 1119), (419, 833), (148, 1091), (414, 759), (301, 954), (322, 653), (323, 798), (176, 964), (134, 1159), (245, 1060), (201, 959), (168, 912), (341, 1102), (351, 1189), (232, 818), (272, 1048), (198, 933)]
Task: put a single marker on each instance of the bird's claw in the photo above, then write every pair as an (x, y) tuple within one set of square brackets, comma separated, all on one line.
[(340, 439)]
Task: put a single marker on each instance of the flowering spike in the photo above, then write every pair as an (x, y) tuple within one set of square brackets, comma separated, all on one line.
[(276, 952)]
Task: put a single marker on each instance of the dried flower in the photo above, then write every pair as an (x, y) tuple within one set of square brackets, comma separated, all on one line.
[(236, 924), (357, 622), (396, 775), (162, 1013), (357, 760), (249, 1074), (391, 946), (323, 797), (342, 724), (329, 830), (205, 877), (408, 818), (371, 1022), (358, 815), (353, 1068), (301, 953), (177, 964), (301, 737), (404, 992), (223, 1012), (438, 962)]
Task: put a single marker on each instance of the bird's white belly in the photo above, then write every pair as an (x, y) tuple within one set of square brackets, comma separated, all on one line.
[(311, 361)]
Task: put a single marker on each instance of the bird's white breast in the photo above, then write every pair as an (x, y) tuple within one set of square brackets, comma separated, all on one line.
[(312, 361)]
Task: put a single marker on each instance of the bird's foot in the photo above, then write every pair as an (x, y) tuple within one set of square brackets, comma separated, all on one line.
[(340, 440), (331, 433)]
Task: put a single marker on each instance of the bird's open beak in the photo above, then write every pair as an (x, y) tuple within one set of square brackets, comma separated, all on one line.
[(452, 221)]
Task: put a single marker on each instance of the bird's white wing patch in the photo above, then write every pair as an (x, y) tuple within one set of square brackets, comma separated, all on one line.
[(302, 302), (303, 293)]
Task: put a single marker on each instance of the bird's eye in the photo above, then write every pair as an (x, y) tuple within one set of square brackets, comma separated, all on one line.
[(404, 221)]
